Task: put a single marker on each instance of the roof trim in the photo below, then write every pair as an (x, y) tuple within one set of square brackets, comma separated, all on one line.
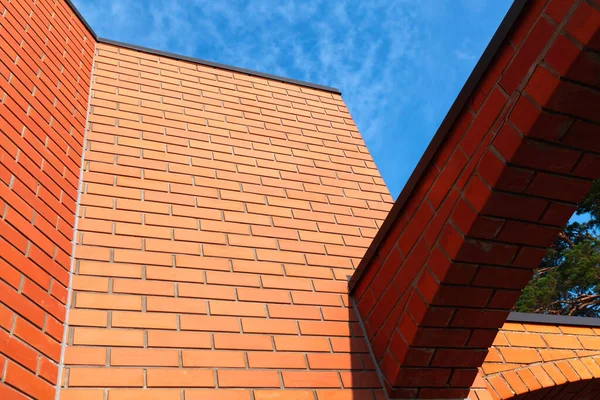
[(199, 60), (552, 319), (482, 65), (218, 65)]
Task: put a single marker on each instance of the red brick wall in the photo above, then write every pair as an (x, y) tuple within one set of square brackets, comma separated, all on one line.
[(507, 177), (221, 215), (45, 65)]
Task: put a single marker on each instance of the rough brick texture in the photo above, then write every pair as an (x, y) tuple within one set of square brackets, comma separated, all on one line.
[(221, 215), (45, 66), (520, 156), (533, 361)]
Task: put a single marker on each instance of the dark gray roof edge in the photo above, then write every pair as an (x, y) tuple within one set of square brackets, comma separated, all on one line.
[(218, 65), (532, 318), (199, 60), (83, 21), (462, 98)]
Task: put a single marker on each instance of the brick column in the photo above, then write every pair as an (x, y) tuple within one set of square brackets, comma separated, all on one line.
[(523, 151), (45, 66)]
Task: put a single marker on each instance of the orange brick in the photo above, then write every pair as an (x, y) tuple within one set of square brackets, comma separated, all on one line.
[(232, 279), (75, 394), (144, 357), (242, 253), (213, 359), (305, 379), (108, 301), (143, 320), (268, 231), (109, 269), (142, 230), (248, 378), (562, 342), (301, 343), (286, 283), (176, 305), (284, 394), (280, 256), (269, 326), (85, 356), (308, 272), (197, 237), (81, 317), (143, 394), (520, 355), (106, 377), (171, 221), (136, 286), (294, 312), (237, 308), (179, 340), (142, 257), (206, 291), (590, 343), (171, 246), (108, 337), (251, 241), (219, 264), (301, 247), (319, 299), (160, 377), (334, 361), (174, 274), (242, 342), (276, 360), (209, 323), (257, 267), (319, 328), (224, 394), (87, 283)]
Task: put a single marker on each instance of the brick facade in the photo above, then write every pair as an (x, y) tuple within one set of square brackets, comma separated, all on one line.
[(45, 66), (216, 217), (221, 215)]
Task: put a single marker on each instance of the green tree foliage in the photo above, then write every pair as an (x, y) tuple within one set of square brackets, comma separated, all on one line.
[(568, 280)]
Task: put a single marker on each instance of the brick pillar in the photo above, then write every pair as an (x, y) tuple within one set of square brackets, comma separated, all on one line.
[(45, 67), (507, 176)]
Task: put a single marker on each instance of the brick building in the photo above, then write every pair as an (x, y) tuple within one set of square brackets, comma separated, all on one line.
[(181, 230)]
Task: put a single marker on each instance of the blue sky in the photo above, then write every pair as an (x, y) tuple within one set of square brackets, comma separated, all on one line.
[(399, 63)]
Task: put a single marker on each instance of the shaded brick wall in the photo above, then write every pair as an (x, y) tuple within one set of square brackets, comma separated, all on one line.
[(539, 360), (523, 151), (45, 65), (221, 215)]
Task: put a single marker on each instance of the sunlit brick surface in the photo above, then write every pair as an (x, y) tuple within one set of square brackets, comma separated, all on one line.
[(45, 65), (540, 360), (221, 216)]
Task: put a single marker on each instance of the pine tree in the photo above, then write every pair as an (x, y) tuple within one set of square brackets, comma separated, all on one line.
[(568, 280)]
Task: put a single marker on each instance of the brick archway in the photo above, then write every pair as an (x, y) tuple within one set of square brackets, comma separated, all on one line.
[(550, 380), (519, 149), (531, 360)]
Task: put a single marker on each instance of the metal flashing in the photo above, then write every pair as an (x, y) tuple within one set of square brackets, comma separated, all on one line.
[(547, 319), (482, 65), (199, 60)]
